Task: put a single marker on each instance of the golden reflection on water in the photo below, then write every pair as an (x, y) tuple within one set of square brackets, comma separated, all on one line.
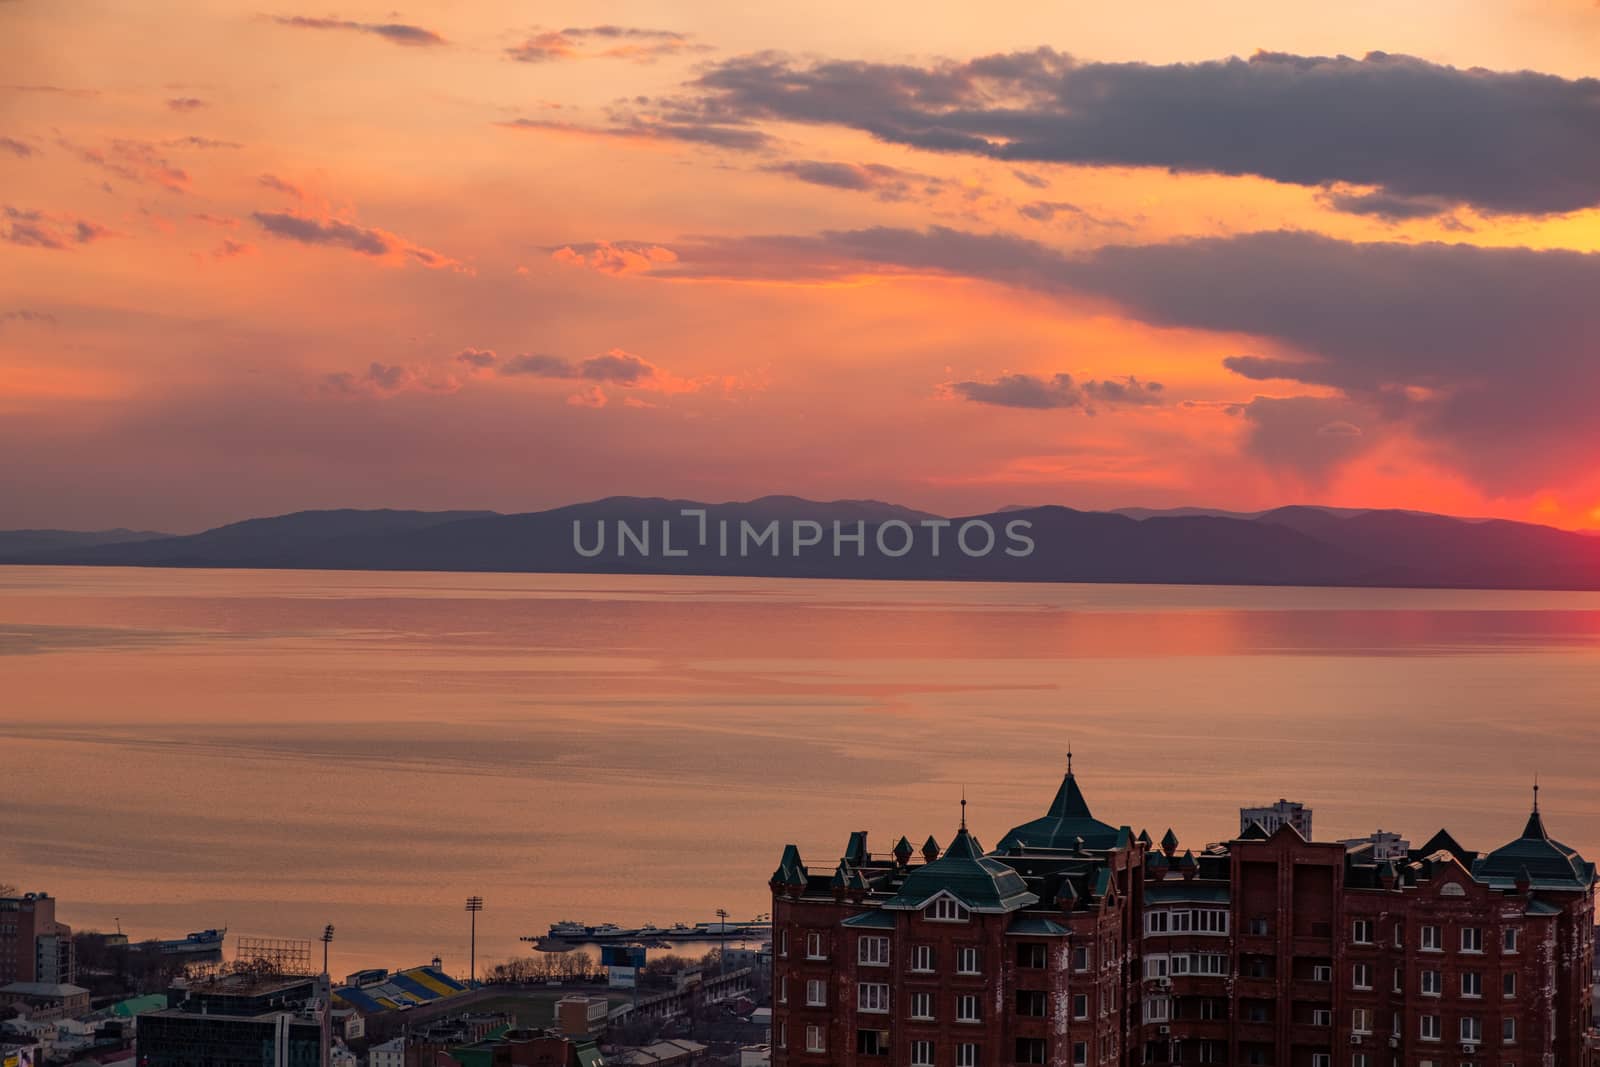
[(279, 750)]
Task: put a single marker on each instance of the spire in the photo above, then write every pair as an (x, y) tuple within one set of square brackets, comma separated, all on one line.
[(963, 808), (1536, 794), (1535, 830), (1069, 756)]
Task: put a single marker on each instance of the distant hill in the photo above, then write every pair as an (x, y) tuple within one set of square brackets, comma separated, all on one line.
[(1298, 545), (15, 543)]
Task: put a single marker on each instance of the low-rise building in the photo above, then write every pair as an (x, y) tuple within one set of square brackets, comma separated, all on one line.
[(46, 1000)]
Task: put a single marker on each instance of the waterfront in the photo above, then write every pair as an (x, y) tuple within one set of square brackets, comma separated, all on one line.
[(273, 751)]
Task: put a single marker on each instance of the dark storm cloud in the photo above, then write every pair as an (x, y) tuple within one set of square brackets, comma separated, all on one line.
[(1508, 142), (1058, 391), (397, 32), (1310, 435), (1492, 355)]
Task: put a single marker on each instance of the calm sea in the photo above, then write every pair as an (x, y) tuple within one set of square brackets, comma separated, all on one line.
[(275, 751)]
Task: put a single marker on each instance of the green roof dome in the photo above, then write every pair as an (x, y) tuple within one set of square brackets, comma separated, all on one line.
[(981, 883)]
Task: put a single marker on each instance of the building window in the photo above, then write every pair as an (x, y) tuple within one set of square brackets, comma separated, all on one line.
[(967, 1009), (783, 989), (1361, 932), (1032, 956), (1399, 934), (1032, 1002), (1430, 939), (1259, 927), (816, 949), (922, 958), (1155, 922), (1322, 972), (783, 1033), (1508, 1030), (873, 951), (1508, 939), (1155, 966), (1361, 976), (1080, 1053), (1471, 1030), (873, 997), (922, 1054), (1080, 1005), (1361, 1020), (1030, 1050), (1471, 984), (783, 942), (947, 909), (1430, 984), (1157, 1009), (1508, 984), (922, 1005), (816, 993), (1471, 939), (1360, 1059), (1080, 958), (966, 961), (1430, 1028), (1321, 1059), (1399, 984), (967, 1055), (816, 1040), (1321, 1017)]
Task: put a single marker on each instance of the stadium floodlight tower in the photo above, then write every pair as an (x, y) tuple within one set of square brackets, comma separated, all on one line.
[(474, 905)]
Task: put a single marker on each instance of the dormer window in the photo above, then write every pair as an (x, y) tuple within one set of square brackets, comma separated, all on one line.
[(946, 909)]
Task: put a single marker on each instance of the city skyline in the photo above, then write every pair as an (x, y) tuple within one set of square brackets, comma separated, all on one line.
[(439, 257)]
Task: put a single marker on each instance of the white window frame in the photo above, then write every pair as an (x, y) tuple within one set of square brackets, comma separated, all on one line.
[(968, 961), (872, 998), (922, 1006), (872, 950), (816, 946), (816, 1038), (922, 1054), (946, 909), (963, 1003), (1472, 940), (816, 993)]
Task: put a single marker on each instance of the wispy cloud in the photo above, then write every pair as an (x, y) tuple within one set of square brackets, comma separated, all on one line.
[(337, 233), (39, 229), (400, 33), (603, 42)]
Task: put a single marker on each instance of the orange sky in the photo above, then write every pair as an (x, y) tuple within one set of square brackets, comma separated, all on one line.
[(510, 256)]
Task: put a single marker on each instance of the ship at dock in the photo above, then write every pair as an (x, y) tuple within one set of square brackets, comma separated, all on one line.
[(199, 944), (567, 935)]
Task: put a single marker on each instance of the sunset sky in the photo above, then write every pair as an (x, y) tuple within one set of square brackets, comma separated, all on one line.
[(509, 255)]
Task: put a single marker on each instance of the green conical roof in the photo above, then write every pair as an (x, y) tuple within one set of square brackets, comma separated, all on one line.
[(1067, 820), (1545, 862)]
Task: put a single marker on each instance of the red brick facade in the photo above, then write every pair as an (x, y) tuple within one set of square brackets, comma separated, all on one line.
[(1264, 950)]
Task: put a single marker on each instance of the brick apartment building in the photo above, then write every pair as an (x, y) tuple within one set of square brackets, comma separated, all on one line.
[(34, 947), (1078, 944)]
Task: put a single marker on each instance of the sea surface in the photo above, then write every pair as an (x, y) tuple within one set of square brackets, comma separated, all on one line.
[(273, 751)]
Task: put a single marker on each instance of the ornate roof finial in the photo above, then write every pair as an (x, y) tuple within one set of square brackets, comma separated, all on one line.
[(1069, 755), (963, 807), (1536, 793)]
